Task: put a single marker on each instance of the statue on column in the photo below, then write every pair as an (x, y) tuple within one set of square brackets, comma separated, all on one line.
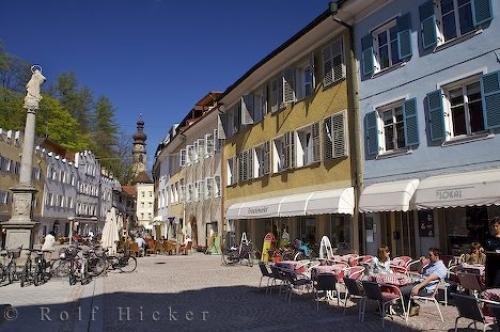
[(33, 97)]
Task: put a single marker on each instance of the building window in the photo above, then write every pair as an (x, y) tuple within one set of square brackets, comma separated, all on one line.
[(217, 189), (386, 45), (304, 146), (150, 194), (393, 127), (305, 78), (143, 194), (333, 62), (261, 160), (456, 18), (142, 215), (464, 102), (274, 94), (4, 197)]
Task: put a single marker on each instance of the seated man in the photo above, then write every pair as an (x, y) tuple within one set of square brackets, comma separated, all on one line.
[(430, 274)]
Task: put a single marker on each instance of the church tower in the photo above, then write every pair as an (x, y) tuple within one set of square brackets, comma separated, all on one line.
[(139, 149)]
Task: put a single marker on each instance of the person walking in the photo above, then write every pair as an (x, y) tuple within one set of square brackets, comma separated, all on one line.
[(48, 245)]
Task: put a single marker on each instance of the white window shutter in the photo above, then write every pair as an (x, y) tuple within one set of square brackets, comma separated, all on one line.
[(247, 109), (328, 138), (217, 185), (267, 157), (289, 85), (327, 65), (339, 70), (339, 135), (250, 164), (316, 142)]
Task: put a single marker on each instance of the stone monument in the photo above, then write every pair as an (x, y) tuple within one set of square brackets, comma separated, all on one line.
[(19, 229)]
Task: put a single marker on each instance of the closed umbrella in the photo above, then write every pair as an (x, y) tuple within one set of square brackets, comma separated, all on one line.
[(110, 232)]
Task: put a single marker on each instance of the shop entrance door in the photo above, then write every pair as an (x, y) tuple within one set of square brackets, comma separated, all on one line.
[(404, 234)]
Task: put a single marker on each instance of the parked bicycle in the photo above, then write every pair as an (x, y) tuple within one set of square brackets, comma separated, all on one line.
[(122, 261), (9, 271), (234, 254), (35, 271)]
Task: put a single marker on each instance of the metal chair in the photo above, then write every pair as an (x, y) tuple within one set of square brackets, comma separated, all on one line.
[(354, 291), (468, 307), (427, 298), (265, 274), (327, 283), (470, 282), (384, 299), (293, 281), (276, 275)]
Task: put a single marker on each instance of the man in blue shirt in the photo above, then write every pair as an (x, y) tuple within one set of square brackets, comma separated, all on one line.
[(430, 275)]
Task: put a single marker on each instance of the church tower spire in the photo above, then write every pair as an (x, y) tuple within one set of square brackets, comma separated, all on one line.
[(139, 149)]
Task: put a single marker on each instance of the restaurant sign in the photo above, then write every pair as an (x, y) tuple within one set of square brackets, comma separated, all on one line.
[(451, 193), (258, 210)]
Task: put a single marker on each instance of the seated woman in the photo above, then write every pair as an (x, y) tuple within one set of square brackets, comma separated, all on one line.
[(476, 256), (382, 263)]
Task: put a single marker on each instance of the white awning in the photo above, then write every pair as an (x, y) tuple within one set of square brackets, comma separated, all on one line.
[(459, 189), (294, 205), (312, 203), (233, 211), (331, 201), (388, 196)]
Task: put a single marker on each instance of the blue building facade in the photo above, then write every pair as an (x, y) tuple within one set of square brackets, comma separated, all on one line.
[(430, 110)]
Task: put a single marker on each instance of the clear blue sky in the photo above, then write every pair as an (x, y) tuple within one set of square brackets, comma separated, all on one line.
[(157, 57)]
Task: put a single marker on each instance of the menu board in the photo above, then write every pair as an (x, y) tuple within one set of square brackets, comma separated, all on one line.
[(426, 223)]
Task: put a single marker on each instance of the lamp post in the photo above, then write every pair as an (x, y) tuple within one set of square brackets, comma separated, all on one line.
[(19, 229)]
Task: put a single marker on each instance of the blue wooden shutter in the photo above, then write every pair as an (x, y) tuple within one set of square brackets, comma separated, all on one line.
[(481, 11), (367, 65), (404, 36), (371, 134), (436, 115), (490, 84), (428, 24), (411, 122)]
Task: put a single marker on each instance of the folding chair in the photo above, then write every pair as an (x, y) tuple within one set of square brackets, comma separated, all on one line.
[(384, 299), (431, 297)]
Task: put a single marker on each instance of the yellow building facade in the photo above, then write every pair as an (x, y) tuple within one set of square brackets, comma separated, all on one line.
[(287, 165)]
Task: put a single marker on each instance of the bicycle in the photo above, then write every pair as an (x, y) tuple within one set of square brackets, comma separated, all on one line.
[(123, 262), (234, 255), (97, 261), (9, 271)]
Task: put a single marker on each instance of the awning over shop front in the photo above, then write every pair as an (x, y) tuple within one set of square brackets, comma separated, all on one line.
[(312, 203), (459, 189), (388, 196)]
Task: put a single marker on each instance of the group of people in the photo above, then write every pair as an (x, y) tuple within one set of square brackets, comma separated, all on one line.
[(142, 244)]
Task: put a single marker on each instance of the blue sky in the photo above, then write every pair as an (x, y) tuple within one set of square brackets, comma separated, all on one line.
[(156, 57)]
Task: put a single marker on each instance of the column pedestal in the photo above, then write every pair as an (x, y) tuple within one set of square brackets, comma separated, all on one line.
[(20, 228)]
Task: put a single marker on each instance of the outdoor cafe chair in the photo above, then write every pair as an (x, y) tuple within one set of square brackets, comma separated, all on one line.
[(384, 299), (327, 283), (469, 307), (470, 282), (265, 274), (354, 291), (400, 264), (426, 298), (277, 275), (294, 280)]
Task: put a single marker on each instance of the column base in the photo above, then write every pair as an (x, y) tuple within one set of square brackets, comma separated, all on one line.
[(19, 233)]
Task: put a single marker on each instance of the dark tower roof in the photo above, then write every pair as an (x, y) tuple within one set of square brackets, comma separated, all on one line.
[(140, 136)]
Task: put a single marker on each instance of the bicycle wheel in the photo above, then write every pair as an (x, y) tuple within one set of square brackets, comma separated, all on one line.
[(130, 266), (250, 259), (288, 256), (38, 276), (298, 256), (11, 273), (226, 258), (99, 265), (60, 268)]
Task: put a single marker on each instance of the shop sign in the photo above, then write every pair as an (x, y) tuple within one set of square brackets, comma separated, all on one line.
[(258, 210), (448, 194)]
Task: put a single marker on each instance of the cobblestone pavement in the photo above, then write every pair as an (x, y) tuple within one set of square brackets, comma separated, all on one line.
[(190, 293), (194, 293)]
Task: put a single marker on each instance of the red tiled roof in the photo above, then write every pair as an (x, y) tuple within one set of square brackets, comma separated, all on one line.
[(129, 190)]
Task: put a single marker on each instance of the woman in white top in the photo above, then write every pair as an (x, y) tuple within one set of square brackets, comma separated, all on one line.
[(382, 263)]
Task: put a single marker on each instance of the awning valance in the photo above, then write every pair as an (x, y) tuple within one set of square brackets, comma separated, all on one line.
[(459, 189), (388, 196), (311, 203)]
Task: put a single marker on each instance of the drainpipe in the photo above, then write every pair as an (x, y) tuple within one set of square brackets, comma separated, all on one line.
[(353, 115)]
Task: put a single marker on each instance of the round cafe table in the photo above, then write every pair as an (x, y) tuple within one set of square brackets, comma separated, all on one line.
[(292, 265)]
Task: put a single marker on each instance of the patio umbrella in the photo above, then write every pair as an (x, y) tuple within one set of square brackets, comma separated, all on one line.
[(110, 232)]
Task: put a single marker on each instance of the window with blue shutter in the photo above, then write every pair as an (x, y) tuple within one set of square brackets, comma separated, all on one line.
[(481, 11), (367, 56), (411, 122), (436, 116), (428, 24), (404, 36), (491, 99), (371, 134)]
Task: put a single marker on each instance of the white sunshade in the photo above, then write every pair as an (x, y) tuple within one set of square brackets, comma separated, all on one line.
[(331, 201), (388, 196), (459, 189), (311, 203)]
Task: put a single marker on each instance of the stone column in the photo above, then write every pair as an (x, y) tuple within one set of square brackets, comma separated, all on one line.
[(19, 229)]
